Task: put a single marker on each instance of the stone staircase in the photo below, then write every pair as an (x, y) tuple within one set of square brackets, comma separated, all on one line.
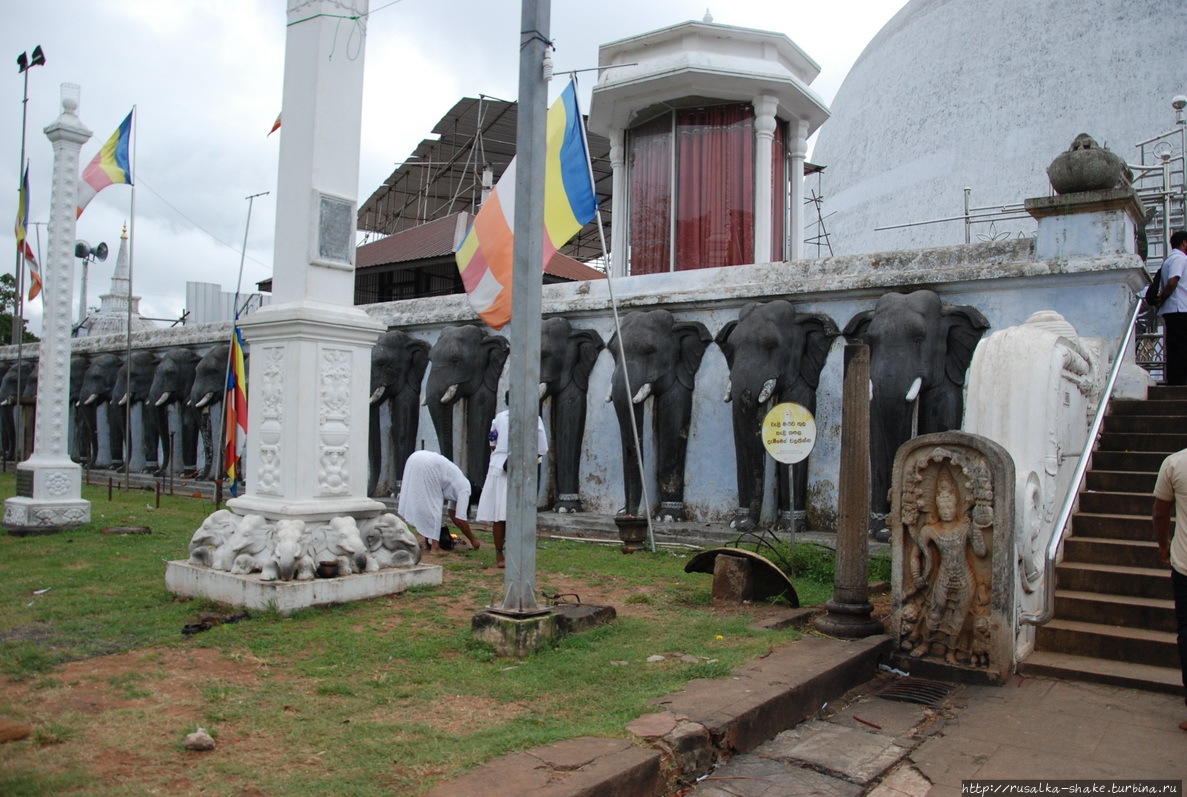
[(1114, 612)]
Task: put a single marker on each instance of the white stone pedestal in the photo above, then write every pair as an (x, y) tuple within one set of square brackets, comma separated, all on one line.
[(48, 498)]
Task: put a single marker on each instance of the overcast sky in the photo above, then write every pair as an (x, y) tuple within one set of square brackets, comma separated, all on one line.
[(206, 79)]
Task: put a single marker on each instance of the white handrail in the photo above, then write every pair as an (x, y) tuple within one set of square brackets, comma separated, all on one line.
[(1047, 609)]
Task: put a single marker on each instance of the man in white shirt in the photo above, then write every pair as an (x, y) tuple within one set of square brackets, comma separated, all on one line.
[(429, 481), (1171, 491), (1172, 307)]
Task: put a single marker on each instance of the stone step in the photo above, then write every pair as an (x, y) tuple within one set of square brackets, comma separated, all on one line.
[(1120, 610), (1139, 582), (1144, 424), (1144, 461), (1117, 503), (1113, 526), (1165, 442), (1115, 643), (1166, 680), (1169, 406), (1097, 550), (1121, 481), (1167, 393)]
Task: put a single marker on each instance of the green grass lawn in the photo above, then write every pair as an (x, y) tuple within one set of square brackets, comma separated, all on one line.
[(384, 696)]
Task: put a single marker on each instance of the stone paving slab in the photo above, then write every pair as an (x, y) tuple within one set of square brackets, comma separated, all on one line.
[(753, 776), (858, 756)]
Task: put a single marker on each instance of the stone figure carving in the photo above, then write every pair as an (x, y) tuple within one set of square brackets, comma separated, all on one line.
[(247, 548), (398, 365), (340, 541), (172, 383), (662, 359), (920, 349), (775, 354), (940, 570), (567, 356), (210, 385), (466, 365), (131, 389), (211, 536), (953, 558), (390, 542), (289, 555), (95, 392), (1086, 166)]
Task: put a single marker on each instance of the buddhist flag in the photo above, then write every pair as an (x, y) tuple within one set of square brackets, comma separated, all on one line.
[(22, 241), (109, 167), (275, 126), (235, 412), (485, 256)]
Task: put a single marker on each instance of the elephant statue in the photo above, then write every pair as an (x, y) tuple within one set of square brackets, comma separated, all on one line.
[(467, 364), (172, 384), (131, 393), (289, 556), (97, 385), (247, 548), (79, 447), (210, 387), (211, 536), (920, 349), (339, 541), (390, 542), (398, 364), (775, 355), (662, 359), (567, 355), (14, 385)]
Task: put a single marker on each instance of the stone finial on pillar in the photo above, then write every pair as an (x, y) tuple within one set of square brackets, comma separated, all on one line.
[(49, 483), (850, 611)]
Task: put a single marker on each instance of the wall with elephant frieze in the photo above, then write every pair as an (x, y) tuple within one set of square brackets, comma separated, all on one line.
[(1003, 280)]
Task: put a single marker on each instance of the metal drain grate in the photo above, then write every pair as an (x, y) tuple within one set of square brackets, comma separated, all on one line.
[(917, 690)]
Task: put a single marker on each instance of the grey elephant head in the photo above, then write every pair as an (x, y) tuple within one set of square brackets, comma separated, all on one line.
[(134, 389), (398, 365), (567, 356), (662, 359), (920, 349), (210, 377), (775, 354), (466, 364)]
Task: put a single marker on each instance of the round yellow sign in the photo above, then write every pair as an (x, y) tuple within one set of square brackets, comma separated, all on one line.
[(789, 432)]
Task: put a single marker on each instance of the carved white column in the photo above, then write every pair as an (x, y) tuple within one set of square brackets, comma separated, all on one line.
[(799, 148), (765, 106), (620, 229), (49, 484), (309, 378)]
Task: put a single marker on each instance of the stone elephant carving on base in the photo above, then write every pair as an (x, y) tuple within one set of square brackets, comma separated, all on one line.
[(339, 540), (210, 386), (398, 365), (97, 385), (662, 359), (920, 349), (466, 364), (129, 394), (172, 384), (775, 354), (211, 536), (390, 542), (567, 356)]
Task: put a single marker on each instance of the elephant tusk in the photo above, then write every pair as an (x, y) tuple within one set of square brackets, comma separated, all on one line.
[(729, 392), (871, 390), (768, 387), (124, 399), (205, 400), (448, 395), (610, 396), (913, 393), (162, 401), (543, 390), (378, 394), (643, 393), (91, 399)]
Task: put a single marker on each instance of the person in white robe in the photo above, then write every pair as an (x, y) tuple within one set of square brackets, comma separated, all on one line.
[(429, 481)]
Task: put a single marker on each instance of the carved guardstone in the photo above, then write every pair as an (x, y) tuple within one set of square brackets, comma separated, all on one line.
[(952, 538)]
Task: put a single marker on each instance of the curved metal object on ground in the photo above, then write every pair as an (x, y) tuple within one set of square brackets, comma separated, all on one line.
[(769, 580)]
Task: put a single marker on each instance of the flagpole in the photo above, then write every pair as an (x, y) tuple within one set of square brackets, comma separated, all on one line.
[(131, 261), (222, 454)]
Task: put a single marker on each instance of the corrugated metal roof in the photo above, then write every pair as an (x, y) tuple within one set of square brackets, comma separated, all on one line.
[(443, 176)]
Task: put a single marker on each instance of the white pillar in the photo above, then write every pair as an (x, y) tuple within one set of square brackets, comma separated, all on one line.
[(765, 106), (799, 148), (621, 223), (49, 484), (309, 379)]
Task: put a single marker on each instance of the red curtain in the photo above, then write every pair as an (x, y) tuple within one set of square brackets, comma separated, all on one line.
[(715, 186), (651, 192)]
